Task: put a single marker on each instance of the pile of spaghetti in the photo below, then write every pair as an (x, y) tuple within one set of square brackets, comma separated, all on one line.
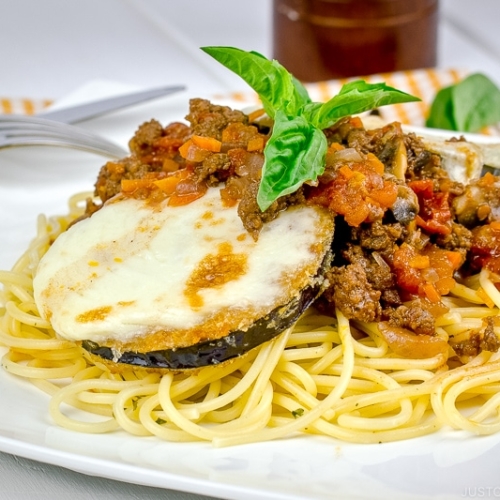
[(403, 358)]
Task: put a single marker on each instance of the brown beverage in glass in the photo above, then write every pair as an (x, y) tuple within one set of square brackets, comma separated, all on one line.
[(325, 39)]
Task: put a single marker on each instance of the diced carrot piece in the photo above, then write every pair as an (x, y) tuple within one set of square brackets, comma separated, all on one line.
[(115, 168), (356, 122), (483, 211), (444, 285), (168, 184), (191, 152), (177, 200), (208, 143), (254, 115), (346, 171), (455, 259), (229, 202), (420, 262), (335, 146), (373, 162), (184, 149), (487, 179), (431, 293), (256, 144), (130, 185), (170, 165)]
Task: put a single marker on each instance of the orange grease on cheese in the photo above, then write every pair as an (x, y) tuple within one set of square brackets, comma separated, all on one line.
[(214, 271), (98, 314), (125, 303)]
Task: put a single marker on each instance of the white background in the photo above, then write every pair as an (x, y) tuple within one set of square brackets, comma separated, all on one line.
[(49, 48)]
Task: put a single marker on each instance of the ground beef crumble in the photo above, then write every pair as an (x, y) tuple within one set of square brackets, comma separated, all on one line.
[(485, 340), (210, 120), (351, 292), (414, 317)]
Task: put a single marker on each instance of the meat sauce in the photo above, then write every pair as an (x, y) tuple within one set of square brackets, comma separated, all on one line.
[(404, 232)]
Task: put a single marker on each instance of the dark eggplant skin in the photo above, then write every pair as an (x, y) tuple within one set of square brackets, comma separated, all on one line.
[(214, 352)]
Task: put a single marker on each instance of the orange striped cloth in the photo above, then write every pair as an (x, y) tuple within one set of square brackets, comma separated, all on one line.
[(423, 83), (22, 106)]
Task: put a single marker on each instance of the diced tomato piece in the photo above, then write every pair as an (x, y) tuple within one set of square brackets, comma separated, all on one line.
[(485, 248), (426, 274), (434, 216), (408, 277), (357, 191), (386, 196)]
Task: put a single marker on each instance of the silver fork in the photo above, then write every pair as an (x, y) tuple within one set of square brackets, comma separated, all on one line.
[(33, 131)]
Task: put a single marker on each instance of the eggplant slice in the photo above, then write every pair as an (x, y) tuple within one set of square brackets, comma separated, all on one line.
[(216, 351), (145, 284)]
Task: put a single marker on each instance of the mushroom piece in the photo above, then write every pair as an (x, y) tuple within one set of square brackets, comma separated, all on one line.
[(400, 164), (406, 206), (462, 160)]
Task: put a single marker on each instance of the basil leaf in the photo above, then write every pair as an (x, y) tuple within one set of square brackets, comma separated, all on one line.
[(276, 87), (301, 90), (467, 106), (441, 113), (296, 150), (476, 103), (353, 98), (294, 154)]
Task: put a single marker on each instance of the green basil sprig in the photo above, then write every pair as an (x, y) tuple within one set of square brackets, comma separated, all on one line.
[(467, 106), (296, 150)]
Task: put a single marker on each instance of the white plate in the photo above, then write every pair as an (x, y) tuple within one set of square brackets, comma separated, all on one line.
[(447, 465)]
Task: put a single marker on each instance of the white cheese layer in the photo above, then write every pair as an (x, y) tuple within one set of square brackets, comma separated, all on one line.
[(133, 269)]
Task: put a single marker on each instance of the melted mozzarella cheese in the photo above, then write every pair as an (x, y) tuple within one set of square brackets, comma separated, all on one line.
[(134, 268)]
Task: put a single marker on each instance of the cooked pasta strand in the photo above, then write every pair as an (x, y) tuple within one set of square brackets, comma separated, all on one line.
[(316, 377)]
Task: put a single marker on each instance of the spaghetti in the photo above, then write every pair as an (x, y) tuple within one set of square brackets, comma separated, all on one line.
[(324, 375)]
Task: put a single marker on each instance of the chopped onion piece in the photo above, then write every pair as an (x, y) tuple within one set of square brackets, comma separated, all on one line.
[(348, 154), (380, 260)]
